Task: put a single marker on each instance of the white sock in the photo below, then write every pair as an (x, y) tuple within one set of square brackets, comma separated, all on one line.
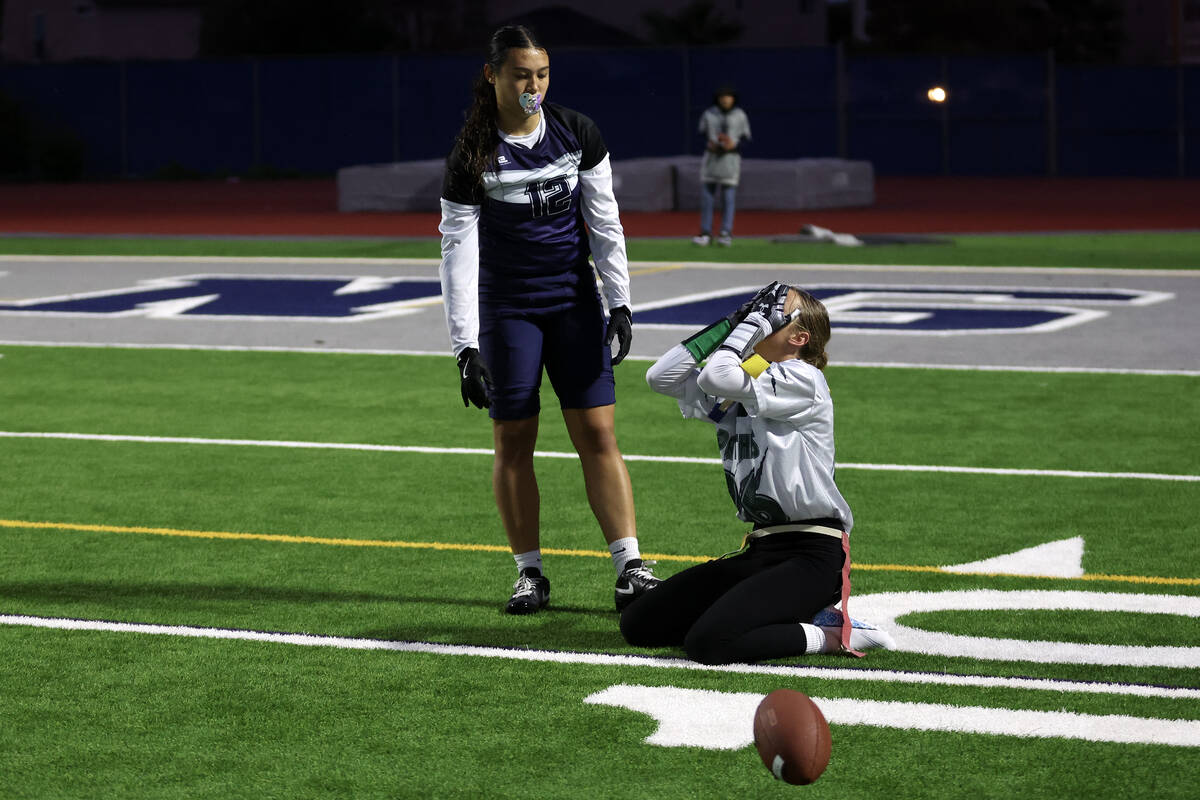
[(533, 558), (815, 640), (624, 550)]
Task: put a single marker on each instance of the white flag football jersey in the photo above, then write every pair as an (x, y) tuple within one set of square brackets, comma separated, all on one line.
[(779, 457)]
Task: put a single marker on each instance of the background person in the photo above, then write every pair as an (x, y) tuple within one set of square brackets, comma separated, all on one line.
[(765, 391), (521, 182), (724, 126)]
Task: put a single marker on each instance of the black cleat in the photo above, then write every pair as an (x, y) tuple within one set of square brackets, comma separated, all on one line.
[(530, 594), (635, 581)]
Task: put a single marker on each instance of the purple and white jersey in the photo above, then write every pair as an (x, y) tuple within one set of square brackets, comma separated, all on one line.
[(517, 238)]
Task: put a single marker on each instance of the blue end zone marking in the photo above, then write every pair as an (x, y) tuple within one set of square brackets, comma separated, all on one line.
[(920, 309), (244, 297), (862, 308), (1055, 295), (954, 319)]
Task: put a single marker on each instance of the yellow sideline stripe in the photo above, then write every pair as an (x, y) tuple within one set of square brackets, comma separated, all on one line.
[(288, 539), (496, 548), (652, 270)]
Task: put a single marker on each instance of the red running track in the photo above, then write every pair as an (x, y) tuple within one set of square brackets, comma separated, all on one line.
[(309, 208)]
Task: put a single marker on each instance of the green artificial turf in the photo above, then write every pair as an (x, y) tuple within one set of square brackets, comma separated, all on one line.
[(933, 417), (272, 721), (356, 554), (1103, 250)]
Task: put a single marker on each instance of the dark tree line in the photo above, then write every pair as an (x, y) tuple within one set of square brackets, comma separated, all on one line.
[(303, 27), (1076, 30)]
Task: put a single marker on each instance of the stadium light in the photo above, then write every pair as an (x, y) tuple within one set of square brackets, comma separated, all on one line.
[(936, 94)]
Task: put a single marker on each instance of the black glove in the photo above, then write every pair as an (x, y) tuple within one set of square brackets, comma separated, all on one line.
[(476, 381), (620, 325)]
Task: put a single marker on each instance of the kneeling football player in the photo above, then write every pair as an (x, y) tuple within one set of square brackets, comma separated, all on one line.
[(764, 389)]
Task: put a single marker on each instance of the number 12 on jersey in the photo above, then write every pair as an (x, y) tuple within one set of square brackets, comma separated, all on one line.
[(547, 198)]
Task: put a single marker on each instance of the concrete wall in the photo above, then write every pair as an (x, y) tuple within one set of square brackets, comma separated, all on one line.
[(640, 184)]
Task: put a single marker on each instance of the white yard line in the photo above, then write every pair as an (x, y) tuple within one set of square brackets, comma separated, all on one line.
[(707, 265), (481, 451), (1187, 373), (359, 261), (606, 659), (895, 268), (345, 351), (724, 720)]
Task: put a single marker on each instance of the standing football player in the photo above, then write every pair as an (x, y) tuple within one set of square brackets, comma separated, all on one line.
[(527, 197), (764, 388)]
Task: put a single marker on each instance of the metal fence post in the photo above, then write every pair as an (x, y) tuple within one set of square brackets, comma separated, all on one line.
[(686, 64), (843, 146), (256, 122), (1051, 115), (123, 122), (1180, 121), (945, 112), (395, 107)]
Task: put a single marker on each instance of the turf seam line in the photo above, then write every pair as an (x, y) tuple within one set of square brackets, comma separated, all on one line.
[(426, 450), (495, 548)]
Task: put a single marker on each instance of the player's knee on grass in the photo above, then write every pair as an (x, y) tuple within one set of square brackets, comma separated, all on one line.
[(643, 630), (706, 648), (633, 627)]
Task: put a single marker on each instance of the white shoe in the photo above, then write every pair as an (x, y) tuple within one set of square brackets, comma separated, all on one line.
[(863, 635), (864, 638), (702, 240), (725, 240)]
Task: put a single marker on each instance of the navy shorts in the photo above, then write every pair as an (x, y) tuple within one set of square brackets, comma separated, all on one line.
[(568, 343)]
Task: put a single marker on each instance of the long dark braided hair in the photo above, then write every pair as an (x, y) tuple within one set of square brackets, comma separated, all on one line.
[(478, 138)]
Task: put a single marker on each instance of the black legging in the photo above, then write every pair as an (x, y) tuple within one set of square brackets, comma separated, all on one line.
[(742, 608)]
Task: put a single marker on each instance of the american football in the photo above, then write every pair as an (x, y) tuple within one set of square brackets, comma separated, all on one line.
[(792, 736)]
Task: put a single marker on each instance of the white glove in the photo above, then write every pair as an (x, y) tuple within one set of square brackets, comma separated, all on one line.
[(766, 316)]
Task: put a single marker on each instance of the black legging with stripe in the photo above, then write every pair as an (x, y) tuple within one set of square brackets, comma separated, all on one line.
[(742, 608)]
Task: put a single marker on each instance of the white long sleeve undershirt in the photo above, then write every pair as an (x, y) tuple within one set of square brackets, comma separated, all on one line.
[(722, 376), (459, 272), (605, 232)]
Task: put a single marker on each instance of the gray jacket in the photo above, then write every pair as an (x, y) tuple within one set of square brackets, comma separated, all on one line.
[(723, 167)]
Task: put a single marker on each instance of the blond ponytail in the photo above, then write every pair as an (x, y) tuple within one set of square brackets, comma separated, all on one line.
[(813, 320)]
